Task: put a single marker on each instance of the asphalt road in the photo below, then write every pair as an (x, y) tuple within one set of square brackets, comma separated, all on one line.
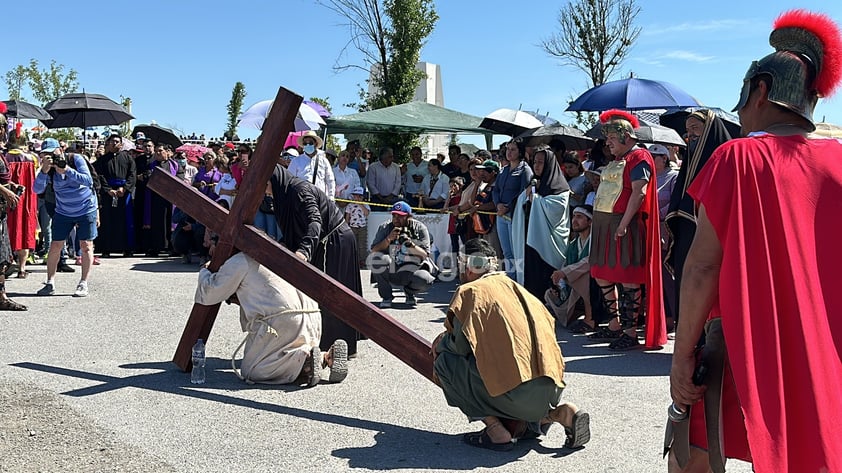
[(87, 385)]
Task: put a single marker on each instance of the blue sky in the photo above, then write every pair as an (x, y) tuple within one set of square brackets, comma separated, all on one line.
[(179, 60)]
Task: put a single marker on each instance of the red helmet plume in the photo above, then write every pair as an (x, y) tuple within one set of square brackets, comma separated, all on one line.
[(614, 114), (829, 58)]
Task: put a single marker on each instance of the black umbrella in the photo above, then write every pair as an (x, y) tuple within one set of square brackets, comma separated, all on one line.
[(573, 138), (25, 110), (676, 118), (509, 122), (158, 134), (82, 110), (646, 133)]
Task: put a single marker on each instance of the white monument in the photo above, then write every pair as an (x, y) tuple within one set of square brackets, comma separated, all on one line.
[(429, 90)]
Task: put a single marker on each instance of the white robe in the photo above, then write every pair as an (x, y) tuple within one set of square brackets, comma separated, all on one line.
[(282, 323)]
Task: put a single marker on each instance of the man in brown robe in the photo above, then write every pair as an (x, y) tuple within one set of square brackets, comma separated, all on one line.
[(498, 360)]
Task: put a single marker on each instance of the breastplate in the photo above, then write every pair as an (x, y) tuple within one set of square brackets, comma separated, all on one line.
[(610, 186)]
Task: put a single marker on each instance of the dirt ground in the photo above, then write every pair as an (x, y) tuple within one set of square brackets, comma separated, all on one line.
[(39, 432)]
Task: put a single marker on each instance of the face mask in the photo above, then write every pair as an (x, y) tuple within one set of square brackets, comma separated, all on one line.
[(309, 149)]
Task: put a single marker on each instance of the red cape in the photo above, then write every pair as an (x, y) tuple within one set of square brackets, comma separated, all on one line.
[(775, 204), (656, 327), (656, 332), (23, 219)]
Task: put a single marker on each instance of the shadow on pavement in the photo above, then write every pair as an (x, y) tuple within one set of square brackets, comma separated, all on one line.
[(166, 266), (410, 449), (396, 447)]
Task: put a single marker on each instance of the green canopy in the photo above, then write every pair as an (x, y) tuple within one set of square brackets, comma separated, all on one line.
[(412, 117)]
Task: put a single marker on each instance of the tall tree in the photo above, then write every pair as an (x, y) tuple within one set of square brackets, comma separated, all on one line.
[(15, 80), (126, 127), (390, 35), (235, 108), (50, 84), (595, 36)]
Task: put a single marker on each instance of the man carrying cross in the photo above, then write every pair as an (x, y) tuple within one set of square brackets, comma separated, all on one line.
[(284, 326)]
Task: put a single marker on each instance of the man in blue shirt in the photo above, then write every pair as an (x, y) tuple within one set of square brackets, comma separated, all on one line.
[(76, 206)]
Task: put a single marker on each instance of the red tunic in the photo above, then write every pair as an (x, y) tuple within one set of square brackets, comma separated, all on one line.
[(775, 204), (656, 334), (23, 219)]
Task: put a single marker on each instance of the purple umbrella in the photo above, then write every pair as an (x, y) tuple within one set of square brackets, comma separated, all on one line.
[(632, 94), (318, 108)]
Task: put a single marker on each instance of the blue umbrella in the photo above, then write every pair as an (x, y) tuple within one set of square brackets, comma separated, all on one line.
[(632, 94)]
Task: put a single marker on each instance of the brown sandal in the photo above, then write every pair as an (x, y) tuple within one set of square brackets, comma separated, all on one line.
[(8, 304)]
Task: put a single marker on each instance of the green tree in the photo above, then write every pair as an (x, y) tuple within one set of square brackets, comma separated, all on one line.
[(235, 108), (50, 84), (126, 127), (390, 35), (15, 80)]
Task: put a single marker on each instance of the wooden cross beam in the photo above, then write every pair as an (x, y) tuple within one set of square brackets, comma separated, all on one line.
[(235, 231)]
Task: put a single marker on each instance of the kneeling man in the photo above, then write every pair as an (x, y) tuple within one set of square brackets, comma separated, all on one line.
[(284, 325), (498, 360)]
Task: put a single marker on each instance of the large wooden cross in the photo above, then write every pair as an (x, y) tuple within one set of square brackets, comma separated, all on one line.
[(235, 230)]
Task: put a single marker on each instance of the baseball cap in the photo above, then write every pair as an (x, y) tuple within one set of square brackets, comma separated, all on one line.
[(358, 190), (489, 165), (139, 136), (291, 152), (230, 145), (658, 149), (49, 145), (401, 208)]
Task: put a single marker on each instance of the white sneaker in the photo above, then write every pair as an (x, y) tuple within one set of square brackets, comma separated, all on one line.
[(81, 289)]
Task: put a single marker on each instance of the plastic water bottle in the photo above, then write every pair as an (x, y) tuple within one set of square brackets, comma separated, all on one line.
[(197, 376)]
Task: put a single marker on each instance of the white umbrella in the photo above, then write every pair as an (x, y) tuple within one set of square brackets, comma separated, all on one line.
[(306, 119), (509, 122)]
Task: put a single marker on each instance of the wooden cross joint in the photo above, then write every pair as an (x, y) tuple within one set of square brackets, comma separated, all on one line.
[(235, 231)]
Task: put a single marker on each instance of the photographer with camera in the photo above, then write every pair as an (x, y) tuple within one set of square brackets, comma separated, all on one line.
[(400, 254), (76, 205)]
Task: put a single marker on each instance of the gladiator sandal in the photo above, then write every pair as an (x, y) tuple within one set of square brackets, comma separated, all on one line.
[(629, 308), (605, 333)]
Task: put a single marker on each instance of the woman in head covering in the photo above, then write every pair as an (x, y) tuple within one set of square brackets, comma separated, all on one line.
[(539, 226), (315, 230)]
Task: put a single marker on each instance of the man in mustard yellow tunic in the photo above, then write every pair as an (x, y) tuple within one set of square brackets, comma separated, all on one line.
[(498, 360)]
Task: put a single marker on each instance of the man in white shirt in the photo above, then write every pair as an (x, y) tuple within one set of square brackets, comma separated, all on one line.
[(313, 162), (384, 180), (416, 171)]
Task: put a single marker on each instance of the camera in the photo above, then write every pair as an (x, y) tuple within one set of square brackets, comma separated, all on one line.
[(403, 239), (60, 162)]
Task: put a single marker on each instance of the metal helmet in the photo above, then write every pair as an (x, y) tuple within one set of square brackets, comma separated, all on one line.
[(618, 121), (799, 69)]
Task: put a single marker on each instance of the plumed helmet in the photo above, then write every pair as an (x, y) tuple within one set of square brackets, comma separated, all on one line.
[(806, 64), (618, 121)]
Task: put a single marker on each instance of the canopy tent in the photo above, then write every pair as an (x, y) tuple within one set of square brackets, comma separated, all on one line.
[(412, 117)]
